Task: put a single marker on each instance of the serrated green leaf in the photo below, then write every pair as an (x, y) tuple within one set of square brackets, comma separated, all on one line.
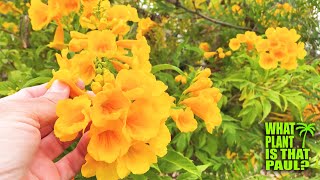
[(274, 97), (266, 107), (179, 160), (6, 87), (187, 176)]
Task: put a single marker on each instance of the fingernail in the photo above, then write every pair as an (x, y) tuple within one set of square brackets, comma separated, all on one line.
[(58, 86)]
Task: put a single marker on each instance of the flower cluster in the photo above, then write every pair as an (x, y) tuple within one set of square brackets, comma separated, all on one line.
[(283, 9), (201, 100), (208, 54), (236, 9), (127, 117), (280, 45), (126, 111), (9, 7)]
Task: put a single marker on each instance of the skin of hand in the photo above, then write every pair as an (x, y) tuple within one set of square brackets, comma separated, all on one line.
[(28, 145)]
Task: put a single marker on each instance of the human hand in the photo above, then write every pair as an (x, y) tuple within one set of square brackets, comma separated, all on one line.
[(27, 142)]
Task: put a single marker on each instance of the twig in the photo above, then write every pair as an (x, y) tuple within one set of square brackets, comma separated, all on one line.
[(216, 21), (9, 32)]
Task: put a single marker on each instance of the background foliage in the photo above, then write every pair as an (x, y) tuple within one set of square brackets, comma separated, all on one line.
[(251, 95)]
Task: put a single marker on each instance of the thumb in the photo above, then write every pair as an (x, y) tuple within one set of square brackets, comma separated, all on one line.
[(43, 108), (56, 92)]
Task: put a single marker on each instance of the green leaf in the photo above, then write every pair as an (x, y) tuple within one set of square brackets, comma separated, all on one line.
[(161, 67), (274, 97), (180, 161), (36, 81), (182, 140), (6, 87), (167, 167), (266, 107), (187, 176)]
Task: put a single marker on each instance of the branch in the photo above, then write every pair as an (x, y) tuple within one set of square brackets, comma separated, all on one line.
[(9, 32), (216, 21)]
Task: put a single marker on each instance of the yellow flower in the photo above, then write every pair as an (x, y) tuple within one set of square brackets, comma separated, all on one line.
[(203, 74), (235, 8), (234, 44), (138, 84), (77, 45), (290, 63), (109, 105), (262, 45), (58, 40), (70, 6), (144, 25), (241, 38), (109, 143), (119, 66), (228, 53), (142, 123), (102, 43), (73, 117), (96, 87), (184, 119), (83, 64), (38, 13), (138, 158), (222, 55), (204, 46), (210, 93), (63, 61), (10, 26), (99, 169), (230, 155), (301, 51), (220, 50), (126, 13), (278, 54), (180, 78), (201, 83), (267, 61), (68, 78), (206, 109), (159, 143), (140, 51), (259, 2), (208, 55)]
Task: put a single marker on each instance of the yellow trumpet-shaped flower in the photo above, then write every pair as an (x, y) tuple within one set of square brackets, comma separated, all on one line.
[(58, 40), (102, 43), (206, 109), (267, 61), (184, 119), (159, 143), (234, 44), (109, 143), (138, 158), (109, 105), (204, 46), (38, 13), (201, 83), (73, 117)]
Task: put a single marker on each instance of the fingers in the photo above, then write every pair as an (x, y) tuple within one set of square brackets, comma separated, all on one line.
[(52, 146), (46, 130), (71, 164), (43, 108)]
